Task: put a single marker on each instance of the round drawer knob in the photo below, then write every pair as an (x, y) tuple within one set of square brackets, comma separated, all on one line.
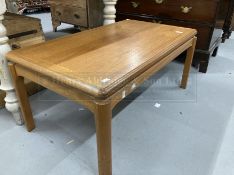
[(186, 9), (58, 13), (135, 4), (15, 46), (76, 16), (157, 21), (159, 1)]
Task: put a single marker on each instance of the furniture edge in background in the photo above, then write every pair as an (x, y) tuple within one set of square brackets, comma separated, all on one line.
[(83, 14), (229, 21), (22, 31), (192, 14), (21, 6)]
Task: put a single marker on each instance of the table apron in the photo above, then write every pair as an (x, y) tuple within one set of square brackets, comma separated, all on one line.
[(58, 87), (132, 85)]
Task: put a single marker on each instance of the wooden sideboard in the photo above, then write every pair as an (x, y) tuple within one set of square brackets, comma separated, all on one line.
[(198, 14), (81, 13)]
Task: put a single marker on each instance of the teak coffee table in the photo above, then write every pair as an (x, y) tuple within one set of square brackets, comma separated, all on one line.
[(99, 68)]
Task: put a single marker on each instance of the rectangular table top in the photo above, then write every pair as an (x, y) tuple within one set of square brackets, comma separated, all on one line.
[(100, 60)]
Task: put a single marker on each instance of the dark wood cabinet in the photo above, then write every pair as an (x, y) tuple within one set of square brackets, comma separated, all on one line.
[(199, 14), (226, 13)]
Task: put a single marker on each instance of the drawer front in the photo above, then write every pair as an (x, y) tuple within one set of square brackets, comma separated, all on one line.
[(71, 15), (200, 10), (203, 36)]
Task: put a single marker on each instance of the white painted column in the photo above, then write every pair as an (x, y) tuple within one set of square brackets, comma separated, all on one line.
[(109, 11), (6, 83)]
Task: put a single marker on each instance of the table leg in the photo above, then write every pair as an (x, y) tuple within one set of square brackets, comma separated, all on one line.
[(103, 119), (6, 84), (23, 98), (187, 64), (109, 11)]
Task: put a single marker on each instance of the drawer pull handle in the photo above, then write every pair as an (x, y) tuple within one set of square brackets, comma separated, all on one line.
[(157, 22), (77, 16), (58, 13), (159, 1), (15, 46), (135, 4), (186, 9)]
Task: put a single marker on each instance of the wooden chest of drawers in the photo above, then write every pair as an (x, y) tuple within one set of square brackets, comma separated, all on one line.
[(199, 14), (82, 13)]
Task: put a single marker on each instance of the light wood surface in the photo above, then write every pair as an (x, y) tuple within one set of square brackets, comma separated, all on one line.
[(103, 54), (100, 70)]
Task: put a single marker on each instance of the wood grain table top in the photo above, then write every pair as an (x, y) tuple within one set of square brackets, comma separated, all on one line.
[(101, 60)]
